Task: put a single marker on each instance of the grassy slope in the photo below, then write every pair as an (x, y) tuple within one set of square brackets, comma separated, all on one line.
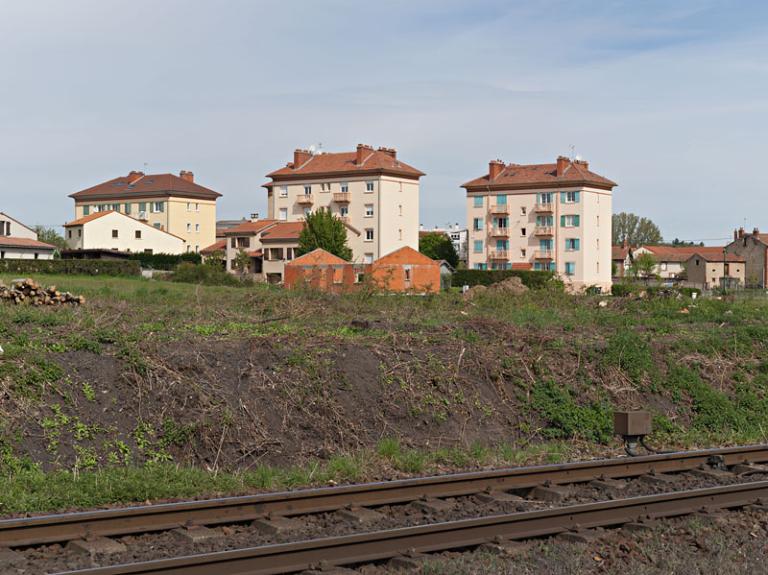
[(559, 365)]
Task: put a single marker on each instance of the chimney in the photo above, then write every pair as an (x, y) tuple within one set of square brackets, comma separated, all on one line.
[(255, 217), (363, 151), (735, 235), (134, 175), (300, 157), (583, 163), (187, 176), (741, 232), (390, 152), (755, 232), (494, 169), (562, 164)]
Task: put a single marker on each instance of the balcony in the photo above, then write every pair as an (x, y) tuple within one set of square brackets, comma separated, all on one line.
[(544, 254), (305, 200), (544, 231), (498, 232), (498, 255), (546, 208), (502, 209), (342, 197)]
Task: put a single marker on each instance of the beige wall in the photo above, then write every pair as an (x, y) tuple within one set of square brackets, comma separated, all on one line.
[(97, 234), (8, 253), (192, 220), (18, 230), (707, 274), (593, 258), (395, 201)]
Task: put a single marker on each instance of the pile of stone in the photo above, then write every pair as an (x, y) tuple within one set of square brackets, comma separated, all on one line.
[(30, 292)]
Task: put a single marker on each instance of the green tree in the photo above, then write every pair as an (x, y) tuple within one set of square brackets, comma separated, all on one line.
[(643, 266), (242, 262), (438, 246), (51, 236), (635, 230), (324, 230)]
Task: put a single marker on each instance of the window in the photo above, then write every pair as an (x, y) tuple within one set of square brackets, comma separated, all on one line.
[(478, 201), (307, 211), (545, 198), (344, 211), (407, 270), (138, 234), (477, 224), (37, 256), (115, 207), (598, 219), (197, 249), (368, 210), (502, 245), (368, 258), (569, 197), (86, 210), (400, 234), (523, 232), (189, 248), (2, 255), (114, 233), (522, 253), (142, 206), (368, 186), (570, 221), (344, 187), (127, 209), (197, 207), (543, 221), (369, 234), (481, 266), (233, 243), (283, 214), (664, 265), (307, 190), (400, 209), (69, 234), (359, 277), (158, 207), (523, 210), (546, 245), (80, 233), (502, 222), (478, 246), (501, 200), (571, 244), (189, 228), (197, 228), (158, 226), (283, 191), (189, 206), (570, 268)]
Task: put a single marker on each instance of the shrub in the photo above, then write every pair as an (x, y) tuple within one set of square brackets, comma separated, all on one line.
[(165, 261), (630, 352), (567, 419), (621, 290), (207, 275), (72, 267), (531, 279)]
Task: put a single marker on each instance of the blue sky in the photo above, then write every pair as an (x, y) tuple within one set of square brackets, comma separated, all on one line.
[(666, 98)]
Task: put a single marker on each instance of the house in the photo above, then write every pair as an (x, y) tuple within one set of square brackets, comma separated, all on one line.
[(174, 204), (19, 242), (753, 247), (115, 231), (405, 270), (545, 217), (245, 237), (671, 260), (373, 191), (459, 238), (621, 259), (713, 270)]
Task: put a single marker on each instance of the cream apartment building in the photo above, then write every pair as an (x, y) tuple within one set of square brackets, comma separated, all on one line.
[(174, 204), (374, 192), (543, 217), (121, 233), (19, 242)]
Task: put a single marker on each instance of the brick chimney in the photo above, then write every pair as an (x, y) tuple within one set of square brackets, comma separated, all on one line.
[(583, 163), (134, 175), (389, 151), (755, 232), (188, 176), (562, 164), (741, 233), (495, 167), (300, 157), (363, 151)]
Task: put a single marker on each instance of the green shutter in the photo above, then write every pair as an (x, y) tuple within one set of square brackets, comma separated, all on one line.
[(86, 210), (576, 197), (142, 206), (575, 221), (562, 197), (562, 221), (576, 244)]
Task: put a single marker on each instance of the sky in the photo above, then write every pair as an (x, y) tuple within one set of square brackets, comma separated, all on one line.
[(668, 99)]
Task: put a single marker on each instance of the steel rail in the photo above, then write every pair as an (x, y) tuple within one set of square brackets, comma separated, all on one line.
[(380, 545), (57, 528)]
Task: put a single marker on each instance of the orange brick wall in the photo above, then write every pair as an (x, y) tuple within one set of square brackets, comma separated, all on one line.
[(391, 277), (425, 278)]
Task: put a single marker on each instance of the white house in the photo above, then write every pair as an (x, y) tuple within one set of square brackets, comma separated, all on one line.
[(118, 232), (19, 242)]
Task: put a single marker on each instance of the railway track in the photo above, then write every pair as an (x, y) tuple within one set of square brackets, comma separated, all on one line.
[(381, 545), (60, 528)]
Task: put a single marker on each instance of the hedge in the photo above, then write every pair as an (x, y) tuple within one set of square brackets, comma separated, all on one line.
[(72, 267), (165, 261), (531, 279)]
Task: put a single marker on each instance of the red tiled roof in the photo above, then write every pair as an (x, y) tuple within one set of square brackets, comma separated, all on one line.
[(540, 175), (13, 242), (249, 227), (218, 246), (683, 253), (283, 231), (318, 257), (255, 253), (121, 188), (718, 257), (89, 218), (619, 252), (374, 162), (405, 255)]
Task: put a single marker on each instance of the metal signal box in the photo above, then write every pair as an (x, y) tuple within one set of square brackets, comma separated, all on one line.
[(631, 423)]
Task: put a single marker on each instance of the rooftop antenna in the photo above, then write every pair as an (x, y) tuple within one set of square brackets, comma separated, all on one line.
[(573, 151), (319, 147), (146, 167)]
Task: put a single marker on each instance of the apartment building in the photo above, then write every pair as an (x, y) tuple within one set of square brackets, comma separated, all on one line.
[(118, 232), (175, 204), (19, 242), (543, 217), (373, 191)]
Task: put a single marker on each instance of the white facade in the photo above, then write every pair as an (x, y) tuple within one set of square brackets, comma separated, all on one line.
[(117, 232), (19, 242)]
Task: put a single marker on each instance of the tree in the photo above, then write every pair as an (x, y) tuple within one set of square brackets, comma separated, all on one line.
[(643, 265), (324, 230), (242, 262), (51, 236), (635, 230), (438, 246)]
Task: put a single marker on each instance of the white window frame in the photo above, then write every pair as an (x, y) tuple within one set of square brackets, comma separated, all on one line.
[(344, 187), (283, 191), (369, 232), (368, 213), (369, 186), (280, 213)]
